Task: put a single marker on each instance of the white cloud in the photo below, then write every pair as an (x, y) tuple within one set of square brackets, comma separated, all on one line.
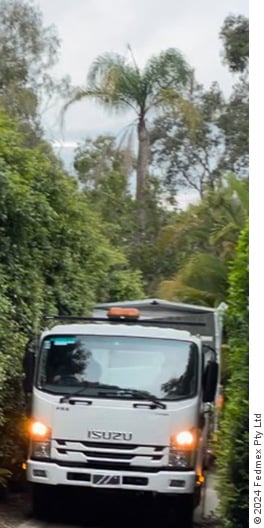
[(64, 144)]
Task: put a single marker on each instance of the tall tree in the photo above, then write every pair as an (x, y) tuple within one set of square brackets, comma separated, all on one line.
[(119, 85), (187, 150), (234, 123), (102, 170), (235, 36), (28, 51), (235, 116), (194, 152), (94, 159), (104, 173)]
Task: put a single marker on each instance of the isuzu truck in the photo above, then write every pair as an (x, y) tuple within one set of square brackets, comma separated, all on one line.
[(122, 400)]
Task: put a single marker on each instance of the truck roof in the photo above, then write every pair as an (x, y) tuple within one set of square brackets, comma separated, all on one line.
[(205, 321), (157, 306), (128, 330)]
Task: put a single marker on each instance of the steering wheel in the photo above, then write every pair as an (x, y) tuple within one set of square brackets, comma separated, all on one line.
[(68, 379)]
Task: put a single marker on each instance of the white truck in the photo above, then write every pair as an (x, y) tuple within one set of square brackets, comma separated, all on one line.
[(120, 402)]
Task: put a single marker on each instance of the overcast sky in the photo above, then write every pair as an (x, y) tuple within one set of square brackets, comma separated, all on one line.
[(88, 28)]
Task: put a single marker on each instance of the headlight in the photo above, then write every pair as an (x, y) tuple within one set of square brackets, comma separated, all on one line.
[(40, 449), (40, 436), (38, 430), (183, 449), (184, 440), (180, 459)]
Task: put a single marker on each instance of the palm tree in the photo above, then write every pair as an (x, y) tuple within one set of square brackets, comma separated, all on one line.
[(206, 236), (119, 85)]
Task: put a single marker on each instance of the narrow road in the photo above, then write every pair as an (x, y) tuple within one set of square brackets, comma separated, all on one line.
[(122, 513)]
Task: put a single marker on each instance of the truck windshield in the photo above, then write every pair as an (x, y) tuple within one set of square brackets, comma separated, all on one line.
[(165, 368)]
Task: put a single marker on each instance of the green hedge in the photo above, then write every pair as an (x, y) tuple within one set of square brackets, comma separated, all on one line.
[(232, 459)]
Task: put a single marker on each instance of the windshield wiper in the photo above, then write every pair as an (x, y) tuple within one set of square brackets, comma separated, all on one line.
[(108, 390), (84, 385), (66, 397), (137, 394)]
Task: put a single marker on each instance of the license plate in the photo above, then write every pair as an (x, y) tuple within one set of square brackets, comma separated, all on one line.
[(106, 480)]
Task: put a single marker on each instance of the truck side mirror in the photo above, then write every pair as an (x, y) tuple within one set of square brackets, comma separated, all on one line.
[(210, 379), (29, 366)]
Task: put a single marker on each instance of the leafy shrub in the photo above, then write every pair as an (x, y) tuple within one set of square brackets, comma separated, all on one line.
[(54, 258), (233, 435), (4, 476)]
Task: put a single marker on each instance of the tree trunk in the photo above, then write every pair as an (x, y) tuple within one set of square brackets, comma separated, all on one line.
[(143, 157)]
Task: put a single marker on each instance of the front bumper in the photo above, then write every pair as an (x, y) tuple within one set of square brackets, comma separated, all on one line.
[(167, 482)]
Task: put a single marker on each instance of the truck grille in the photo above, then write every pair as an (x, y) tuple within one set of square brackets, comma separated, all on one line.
[(101, 454), (131, 480)]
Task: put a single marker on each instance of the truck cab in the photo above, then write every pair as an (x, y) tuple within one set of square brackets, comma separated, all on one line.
[(118, 403)]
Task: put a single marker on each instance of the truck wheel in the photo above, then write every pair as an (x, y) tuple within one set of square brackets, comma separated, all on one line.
[(197, 496), (41, 501), (181, 512)]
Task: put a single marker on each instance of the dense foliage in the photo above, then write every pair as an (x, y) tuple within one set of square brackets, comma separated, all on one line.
[(202, 242), (235, 35), (55, 256), (233, 435)]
